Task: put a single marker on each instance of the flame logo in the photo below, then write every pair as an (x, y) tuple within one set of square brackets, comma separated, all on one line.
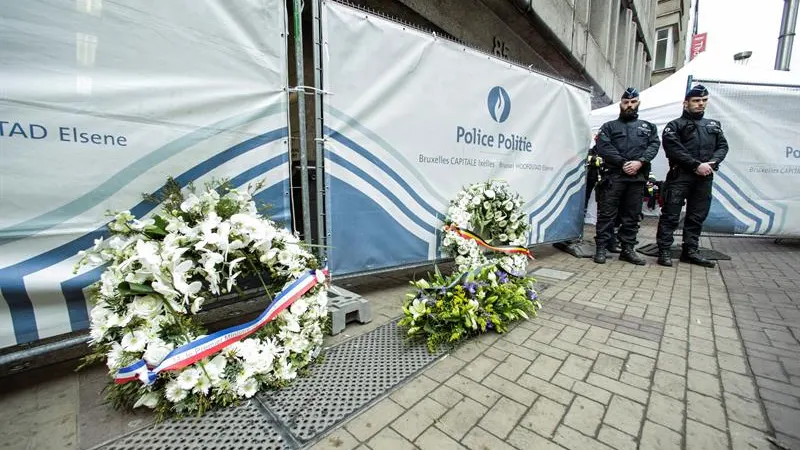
[(499, 104)]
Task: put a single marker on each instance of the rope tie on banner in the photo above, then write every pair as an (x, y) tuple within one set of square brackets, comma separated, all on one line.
[(466, 234), (207, 345)]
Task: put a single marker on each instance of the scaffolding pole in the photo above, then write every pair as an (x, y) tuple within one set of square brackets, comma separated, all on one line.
[(301, 112), (783, 58), (318, 130)]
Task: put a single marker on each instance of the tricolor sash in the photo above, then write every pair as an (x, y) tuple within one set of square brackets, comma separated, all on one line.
[(207, 345)]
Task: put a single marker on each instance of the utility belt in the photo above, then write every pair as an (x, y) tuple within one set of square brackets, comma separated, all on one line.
[(676, 171)]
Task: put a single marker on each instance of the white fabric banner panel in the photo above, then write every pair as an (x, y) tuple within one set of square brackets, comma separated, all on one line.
[(412, 119), (100, 103), (757, 189)]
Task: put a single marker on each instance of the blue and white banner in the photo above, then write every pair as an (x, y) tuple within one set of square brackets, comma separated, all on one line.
[(100, 103), (412, 119), (757, 189)]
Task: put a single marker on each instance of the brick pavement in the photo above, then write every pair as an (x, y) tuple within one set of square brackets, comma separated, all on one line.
[(763, 282), (622, 357)]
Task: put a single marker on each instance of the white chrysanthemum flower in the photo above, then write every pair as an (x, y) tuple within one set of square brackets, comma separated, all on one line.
[(203, 384), (188, 378), (285, 257), (174, 393), (261, 362), (114, 357), (109, 281), (246, 349), (134, 341), (285, 370), (100, 314), (246, 387)]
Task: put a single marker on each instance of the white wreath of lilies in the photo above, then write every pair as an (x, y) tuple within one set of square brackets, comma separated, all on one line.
[(493, 210), (177, 261)]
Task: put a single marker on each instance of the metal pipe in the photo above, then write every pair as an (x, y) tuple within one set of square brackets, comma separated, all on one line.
[(301, 112), (696, 16), (747, 83), (783, 58), (318, 134), (16, 360)]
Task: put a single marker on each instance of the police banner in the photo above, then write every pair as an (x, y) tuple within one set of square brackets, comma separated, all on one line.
[(757, 189), (411, 119), (100, 103)]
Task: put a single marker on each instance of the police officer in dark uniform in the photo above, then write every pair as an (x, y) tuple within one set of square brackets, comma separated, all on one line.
[(595, 177), (627, 145), (695, 147)]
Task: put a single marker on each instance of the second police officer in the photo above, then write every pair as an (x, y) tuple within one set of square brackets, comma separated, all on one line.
[(695, 146)]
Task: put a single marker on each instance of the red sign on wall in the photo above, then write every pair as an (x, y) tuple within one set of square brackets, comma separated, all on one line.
[(698, 45)]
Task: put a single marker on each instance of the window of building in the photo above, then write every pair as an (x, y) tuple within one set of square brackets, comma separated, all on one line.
[(665, 46)]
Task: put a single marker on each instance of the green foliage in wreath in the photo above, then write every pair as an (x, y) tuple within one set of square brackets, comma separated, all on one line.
[(448, 309)]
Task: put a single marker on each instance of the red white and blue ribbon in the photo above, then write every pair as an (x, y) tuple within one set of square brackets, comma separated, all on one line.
[(207, 345)]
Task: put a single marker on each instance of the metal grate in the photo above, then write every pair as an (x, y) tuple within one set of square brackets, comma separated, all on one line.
[(353, 374), (243, 428)]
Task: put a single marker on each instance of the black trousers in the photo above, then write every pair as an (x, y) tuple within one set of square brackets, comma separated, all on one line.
[(619, 200), (693, 189)]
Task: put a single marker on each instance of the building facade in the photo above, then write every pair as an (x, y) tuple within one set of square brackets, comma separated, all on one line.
[(672, 21), (605, 44)]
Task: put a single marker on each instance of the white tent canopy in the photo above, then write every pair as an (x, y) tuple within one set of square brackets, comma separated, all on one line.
[(662, 102)]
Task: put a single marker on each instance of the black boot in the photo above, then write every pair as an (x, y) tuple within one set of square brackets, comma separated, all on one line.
[(613, 248), (665, 258), (600, 255), (629, 254), (692, 257)]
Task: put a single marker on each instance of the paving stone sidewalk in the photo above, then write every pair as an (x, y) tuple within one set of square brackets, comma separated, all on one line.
[(763, 282), (621, 357)]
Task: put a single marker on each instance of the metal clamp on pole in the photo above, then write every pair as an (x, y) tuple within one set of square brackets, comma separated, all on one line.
[(305, 89)]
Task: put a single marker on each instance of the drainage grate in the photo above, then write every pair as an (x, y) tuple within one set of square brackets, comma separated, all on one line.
[(353, 374), (243, 427)]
